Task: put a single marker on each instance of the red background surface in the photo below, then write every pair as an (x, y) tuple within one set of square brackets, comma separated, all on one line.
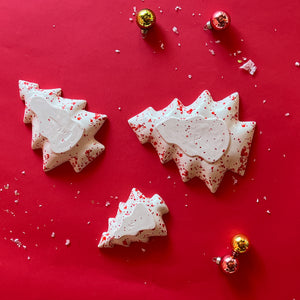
[(78, 55)]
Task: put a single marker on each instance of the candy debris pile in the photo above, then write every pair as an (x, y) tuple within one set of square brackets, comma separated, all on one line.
[(204, 139), (61, 127), (136, 220)]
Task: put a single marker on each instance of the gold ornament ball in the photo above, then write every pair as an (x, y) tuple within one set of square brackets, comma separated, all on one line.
[(145, 18), (240, 243)]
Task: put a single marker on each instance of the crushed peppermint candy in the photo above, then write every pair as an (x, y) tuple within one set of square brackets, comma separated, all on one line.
[(287, 114), (249, 66), (117, 51), (17, 193), (264, 101), (162, 46), (178, 8), (175, 30), (235, 181), (23, 172), (130, 19), (68, 242), (6, 186), (53, 234), (212, 52), (107, 203), (297, 64), (268, 211), (190, 76)]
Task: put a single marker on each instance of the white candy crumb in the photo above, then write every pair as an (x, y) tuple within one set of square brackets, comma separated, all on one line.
[(6, 186), (78, 192), (265, 198), (150, 181), (297, 64), (88, 222), (235, 181), (269, 149), (185, 195), (175, 68), (284, 155), (212, 52), (28, 258), (23, 172), (162, 46), (143, 250), (287, 114), (16, 201), (119, 108), (17, 242), (53, 26), (186, 205), (68, 242), (217, 41), (260, 132), (264, 101), (190, 76), (178, 8), (169, 177), (193, 14), (117, 51), (257, 200), (134, 9), (268, 212), (116, 197), (161, 11), (53, 234), (249, 66), (175, 30), (40, 205), (107, 203), (179, 45), (130, 19), (17, 193)]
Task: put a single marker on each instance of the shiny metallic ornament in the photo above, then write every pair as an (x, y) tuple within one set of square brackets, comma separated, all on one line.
[(145, 19), (229, 264), (220, 20), (240, 243)]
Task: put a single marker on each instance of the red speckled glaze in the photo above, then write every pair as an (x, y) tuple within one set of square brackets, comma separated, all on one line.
[(234, 158)]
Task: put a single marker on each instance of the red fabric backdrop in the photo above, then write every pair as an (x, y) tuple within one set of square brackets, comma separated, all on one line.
[(71, 45)]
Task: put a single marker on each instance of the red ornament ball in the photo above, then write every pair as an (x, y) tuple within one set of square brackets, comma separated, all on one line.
[(220, 20), (229, 264)]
